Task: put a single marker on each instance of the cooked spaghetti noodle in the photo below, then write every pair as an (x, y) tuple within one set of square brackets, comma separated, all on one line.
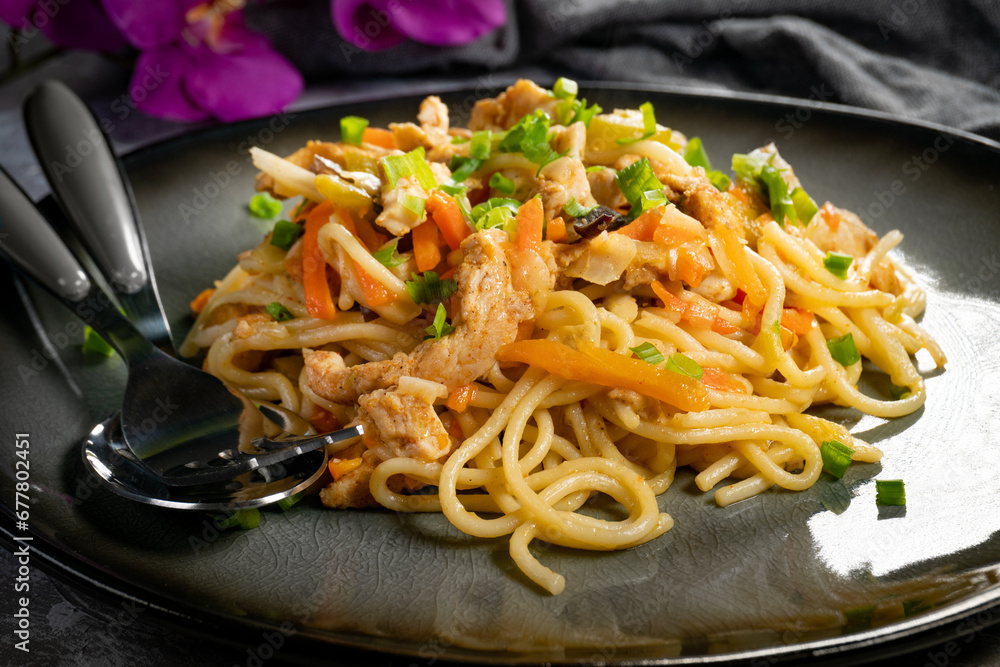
[(555, 304)]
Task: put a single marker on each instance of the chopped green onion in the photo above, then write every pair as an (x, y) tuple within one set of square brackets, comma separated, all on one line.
[(648, 353), (747, 166), (410, 164), (843, 350), (94, 344), (530, 136), (636, 182), (452, 189), (413, 204), (500, 182), (263, 205), (596, 167), (387, 255), (805, 207), (287, 503), (782, 207), (837, 263), (463, 167), (890, 492), (459, 140), (298, 209), (278, 312), (584, 113), (898, 393), (857, 618), (429, 288), (679, 363), (439, 327), (285, 233), (695, 155), (565, 89), (652, 199), (245, 519), (480, 146), (484, 217), (574, 208), (718, 179), (648, 125), (835, 496), (352, 129), (836, 457)]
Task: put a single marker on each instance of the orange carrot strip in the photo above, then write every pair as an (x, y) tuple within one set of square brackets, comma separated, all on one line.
[(722, 326), (340, 467), (375, 292), (444, 210), (671, 236), (716, 378), (643, 227), (198, 303), (797, 320), (609, 369), (460, 397), (426, 245), (323, 420), (376, 136), (691, 266), (746, 277), (319, 301), (669, 299), (530, 220), (555, 231)]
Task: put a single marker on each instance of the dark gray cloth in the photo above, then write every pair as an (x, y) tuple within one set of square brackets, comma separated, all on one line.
[(933, 60)]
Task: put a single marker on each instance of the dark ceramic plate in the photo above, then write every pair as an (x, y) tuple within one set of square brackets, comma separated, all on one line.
[(780, 576)]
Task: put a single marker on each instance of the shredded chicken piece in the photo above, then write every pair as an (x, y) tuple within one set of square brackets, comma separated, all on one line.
[(647, 408), (489, 311), (570, 140), (604, 188), (839, 230), (352, 490), (561, 180), (503, 111), (395, 217), (404, 423)]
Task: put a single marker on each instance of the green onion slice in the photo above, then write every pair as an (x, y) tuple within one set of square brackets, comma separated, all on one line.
[(648, 353), (480, 146), (843, 350), (836, 457), (597, 167), (387, 255), (287, 503), (263, 205), (483, 216), (890, 492), (278, 312), (285, 233), (245, 519), (463, 167), (413, 204), (898, 393), (439, 327), (565, 89), (837, 263), (575, 209), (805, 207), (679, 363), (452, 189), (637, 180), (648, 125), (94, 344), (695, 155), (409, 164), (782, 207), (429, 288), (352, 129), (501, 183)]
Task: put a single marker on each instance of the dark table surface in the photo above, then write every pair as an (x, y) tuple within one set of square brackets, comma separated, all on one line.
[(75, 624)]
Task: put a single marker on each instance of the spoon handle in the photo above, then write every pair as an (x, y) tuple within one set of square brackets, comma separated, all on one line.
[(29, 243), (89, 184)]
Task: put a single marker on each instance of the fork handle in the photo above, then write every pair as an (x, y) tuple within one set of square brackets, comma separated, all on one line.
[(88, 182), (30, 244)]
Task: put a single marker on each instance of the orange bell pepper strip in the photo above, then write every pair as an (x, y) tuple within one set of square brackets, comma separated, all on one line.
[(643, 227), (319, 301), (198, 303), (377, 136), (340, 467), (530, 221), (555, 230), (323, 420), (746, 277), (375, 292), (609, 369), (797, 320), (460, 397), (715, 378), (444, 211), (426, 245)]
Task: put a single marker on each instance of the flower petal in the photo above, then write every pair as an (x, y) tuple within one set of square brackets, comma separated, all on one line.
[(246, 84), (157, 85), (367, 24), (147, 25), (81, 24), (447, 22), (14, 12)]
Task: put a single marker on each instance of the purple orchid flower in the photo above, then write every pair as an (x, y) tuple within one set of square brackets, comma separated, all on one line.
[(374, 25), (198, 61), (81, 24)]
